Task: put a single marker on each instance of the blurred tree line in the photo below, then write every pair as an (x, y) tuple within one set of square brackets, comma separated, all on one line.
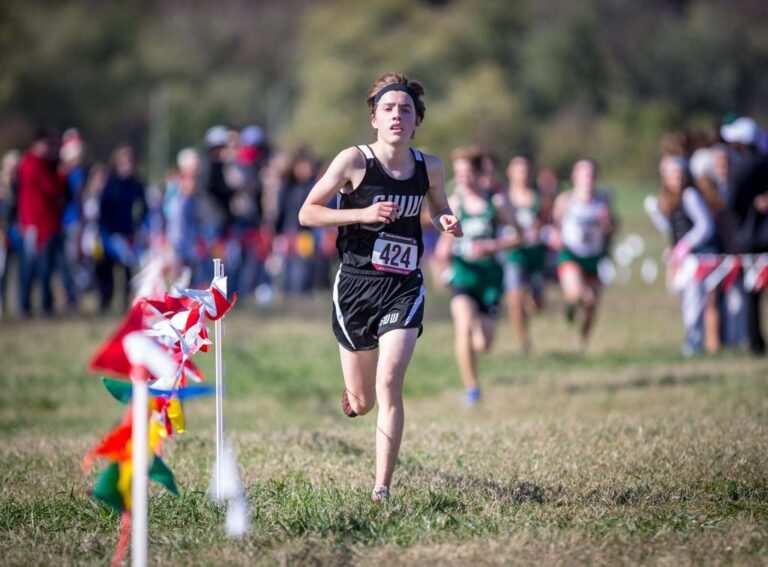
[(556, 78)]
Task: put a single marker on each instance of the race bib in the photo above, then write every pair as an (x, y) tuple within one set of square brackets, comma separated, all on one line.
[(396, 254)]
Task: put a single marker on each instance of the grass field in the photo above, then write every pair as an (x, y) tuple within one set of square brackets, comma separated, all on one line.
[(626, 455)]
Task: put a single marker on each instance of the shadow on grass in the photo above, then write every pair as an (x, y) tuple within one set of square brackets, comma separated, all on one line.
[(610, 358), (641, 382), (318, 442), (475, 488)]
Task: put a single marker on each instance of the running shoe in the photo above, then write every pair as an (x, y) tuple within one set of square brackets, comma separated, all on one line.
[(345, 407), (380, 494), (472, 396)]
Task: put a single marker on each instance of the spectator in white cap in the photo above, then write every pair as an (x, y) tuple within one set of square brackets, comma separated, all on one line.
[(743, 130), (727, 307), (216, 137), (748, 200)]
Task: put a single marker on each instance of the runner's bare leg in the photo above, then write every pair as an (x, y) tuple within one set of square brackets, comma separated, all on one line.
[(359, 370), (483, 333), (572, 283), (463, 313), (517, 313), (590, 298), (395, 351)]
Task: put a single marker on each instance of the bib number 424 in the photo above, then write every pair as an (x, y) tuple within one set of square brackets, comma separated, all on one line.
[(394, 254)]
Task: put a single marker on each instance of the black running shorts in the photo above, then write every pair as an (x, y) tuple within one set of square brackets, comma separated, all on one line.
[(368, 303)]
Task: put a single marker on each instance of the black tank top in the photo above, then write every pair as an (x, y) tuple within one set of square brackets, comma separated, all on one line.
[(680, 223), (355, 241)]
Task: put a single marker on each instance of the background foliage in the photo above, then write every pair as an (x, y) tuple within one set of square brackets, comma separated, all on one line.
[(601, 77)]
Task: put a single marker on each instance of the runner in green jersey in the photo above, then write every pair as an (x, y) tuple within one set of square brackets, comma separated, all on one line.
[(476, 277), (524, 266)]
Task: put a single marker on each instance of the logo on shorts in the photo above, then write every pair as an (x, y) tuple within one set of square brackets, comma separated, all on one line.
[(390, 318)]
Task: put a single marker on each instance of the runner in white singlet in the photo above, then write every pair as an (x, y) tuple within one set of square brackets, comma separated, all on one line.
[(585, 222)]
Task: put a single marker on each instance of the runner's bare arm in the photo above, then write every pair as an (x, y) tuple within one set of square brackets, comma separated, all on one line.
[(347, 168), (444, 246), (439, 209)]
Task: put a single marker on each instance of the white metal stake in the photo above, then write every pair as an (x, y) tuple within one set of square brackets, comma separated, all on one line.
[(218, 272), (139, 479)]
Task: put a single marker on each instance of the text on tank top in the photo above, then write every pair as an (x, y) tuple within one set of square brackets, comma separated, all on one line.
[(357, 243), (581, 229)]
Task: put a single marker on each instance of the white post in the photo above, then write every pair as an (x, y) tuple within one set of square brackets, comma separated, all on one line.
[(139, 481), (218, 272)]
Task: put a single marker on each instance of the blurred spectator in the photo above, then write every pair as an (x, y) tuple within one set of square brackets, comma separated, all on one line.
[(122, 210), (91, 247), (71, 156), (297, 243), (181, 216), (728, 304), (248, 205), (216, 194), (272, 179), (748, 200), (42, 193), (239, 179), (215, 203), (681, 213), (249, 160), (8, 188), (325, 243)]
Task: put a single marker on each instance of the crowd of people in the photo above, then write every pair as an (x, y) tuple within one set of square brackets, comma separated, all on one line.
[(85, 223), (712, 205), (91, 224)]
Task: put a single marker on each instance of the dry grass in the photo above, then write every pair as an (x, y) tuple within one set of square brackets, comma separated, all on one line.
[(628, 455)]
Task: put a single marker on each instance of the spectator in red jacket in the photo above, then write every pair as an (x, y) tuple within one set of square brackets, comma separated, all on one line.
[(41, 194)]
